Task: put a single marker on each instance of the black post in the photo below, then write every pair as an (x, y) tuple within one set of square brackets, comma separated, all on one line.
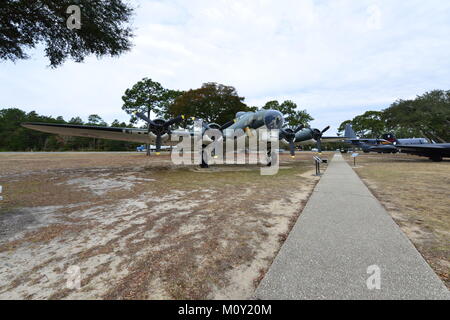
[(204, 163), (147, 146)]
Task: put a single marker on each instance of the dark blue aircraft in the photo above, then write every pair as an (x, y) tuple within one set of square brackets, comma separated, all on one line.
[(390, 144), (421, 147), (368, 145)]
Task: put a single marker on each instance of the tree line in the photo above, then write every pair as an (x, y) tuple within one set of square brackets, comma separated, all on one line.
[(426, 116), (14, 137), (212, 102)]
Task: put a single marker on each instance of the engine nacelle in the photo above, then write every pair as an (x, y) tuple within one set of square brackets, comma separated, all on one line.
[(240, 113), (214, 126)]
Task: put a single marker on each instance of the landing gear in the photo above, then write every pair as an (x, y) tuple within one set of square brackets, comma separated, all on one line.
[(436, 158), (271, 157), (204, 165)]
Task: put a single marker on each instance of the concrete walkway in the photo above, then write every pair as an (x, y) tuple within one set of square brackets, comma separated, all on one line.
[(342, 231)]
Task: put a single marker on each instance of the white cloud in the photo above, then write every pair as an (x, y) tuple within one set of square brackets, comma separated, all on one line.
[(335, 58)]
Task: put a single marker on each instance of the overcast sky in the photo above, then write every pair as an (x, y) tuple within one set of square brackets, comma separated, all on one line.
[(335, 58)]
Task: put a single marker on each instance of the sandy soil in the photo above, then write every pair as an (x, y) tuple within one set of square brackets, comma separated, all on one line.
[(140, 228), (415, 191)]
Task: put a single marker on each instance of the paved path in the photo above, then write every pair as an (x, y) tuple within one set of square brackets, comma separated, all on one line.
[(342, 231)]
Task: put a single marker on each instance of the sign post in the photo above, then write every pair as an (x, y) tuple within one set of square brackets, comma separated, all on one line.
[(317, 161), (354, 155)]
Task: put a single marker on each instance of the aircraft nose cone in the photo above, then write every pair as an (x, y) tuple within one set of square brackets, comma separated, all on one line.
[(273, 119)]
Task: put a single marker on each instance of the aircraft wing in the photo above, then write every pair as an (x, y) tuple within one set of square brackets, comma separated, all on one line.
[(430, 146), (333, 139), (443, 148), (359, 140), (111, 133), (427, 150)]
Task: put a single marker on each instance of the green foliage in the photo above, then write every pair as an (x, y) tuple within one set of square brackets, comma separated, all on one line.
[(369, 124), (168, 99), (14, 137), (96, 120), (147, 96), (76, 120), (426, 116), (292, 116), (212, 103), (27, 23)]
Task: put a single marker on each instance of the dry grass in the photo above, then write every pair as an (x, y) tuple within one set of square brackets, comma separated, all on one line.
[(416, 192), (141, 228)]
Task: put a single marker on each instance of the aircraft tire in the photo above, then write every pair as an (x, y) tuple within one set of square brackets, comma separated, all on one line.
[(436, 158)]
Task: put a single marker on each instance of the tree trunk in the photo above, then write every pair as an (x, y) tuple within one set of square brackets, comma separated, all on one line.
[(148, 132)]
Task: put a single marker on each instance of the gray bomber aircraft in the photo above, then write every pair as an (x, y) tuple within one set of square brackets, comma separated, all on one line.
[(160, 130)]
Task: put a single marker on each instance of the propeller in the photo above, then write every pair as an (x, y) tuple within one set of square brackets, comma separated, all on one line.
[(227, 125), (317, 135), (159, 127), (289, 135)]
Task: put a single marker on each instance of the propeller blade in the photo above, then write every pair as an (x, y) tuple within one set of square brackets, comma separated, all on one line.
[(325, 130), (205, 125), (227, 125), (158, 144), (299, 128), (319, 145), (288, 134), (142, 116), (292, 148)]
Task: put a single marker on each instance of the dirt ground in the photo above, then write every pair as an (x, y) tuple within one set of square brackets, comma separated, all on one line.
[(140, 228), (416, 192)]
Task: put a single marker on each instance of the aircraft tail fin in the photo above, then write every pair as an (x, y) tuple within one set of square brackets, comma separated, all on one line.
[(389, 137), (349, 133)]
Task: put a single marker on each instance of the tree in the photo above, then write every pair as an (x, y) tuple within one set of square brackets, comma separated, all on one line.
[(146, 96), (212, 102), (292, 116), (26, 23), (370, 124), (299, 117), (96, 120), (14, 137), (167, 100), (118, 124), (76, 120), (427, 115)]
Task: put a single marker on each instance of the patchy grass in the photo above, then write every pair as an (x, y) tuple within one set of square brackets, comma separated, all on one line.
[(141, 228), (415, 191)]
